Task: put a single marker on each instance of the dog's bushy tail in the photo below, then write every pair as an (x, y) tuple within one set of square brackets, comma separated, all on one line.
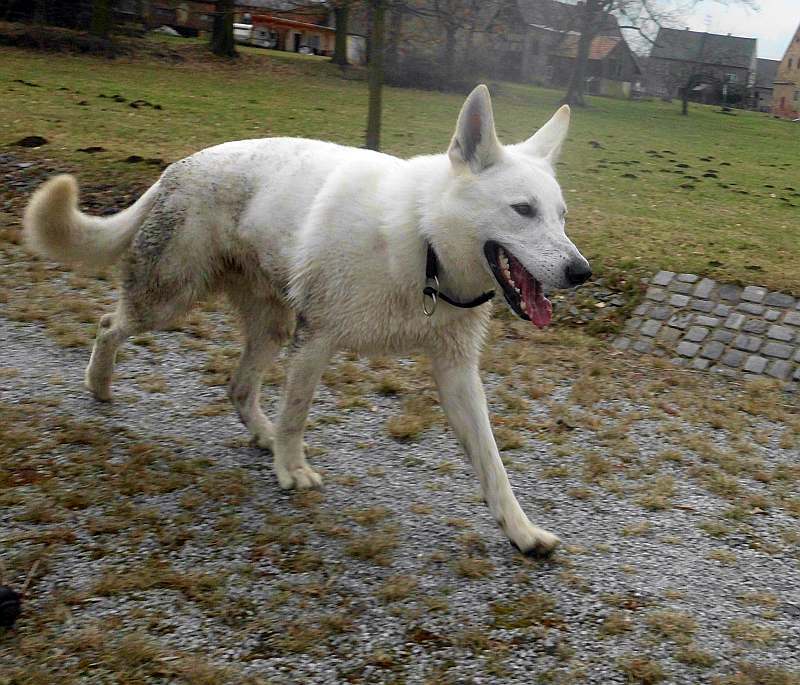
[(55, 228)]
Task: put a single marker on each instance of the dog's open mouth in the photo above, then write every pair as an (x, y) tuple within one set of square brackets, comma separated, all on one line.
[(522, 291)]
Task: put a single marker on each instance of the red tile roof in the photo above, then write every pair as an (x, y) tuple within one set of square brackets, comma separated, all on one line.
[(602, 46)]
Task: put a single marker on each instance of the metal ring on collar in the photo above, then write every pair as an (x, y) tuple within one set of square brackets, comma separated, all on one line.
[(433, 295)]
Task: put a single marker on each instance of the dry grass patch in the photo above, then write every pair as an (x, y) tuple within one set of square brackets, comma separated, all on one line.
[(616, 623), (657, 494), (405, 426), (157, 574), (715, 528), (636, 529), (692, 655), (369, 517), (375, 547), (723, 556), (763, 599), (473, 567), (508, 439), (641, 670), (756, 674), (746, 630), (390, 384), (303, 561), (672, 625), (533, 609), (596, 467), (397, 588)]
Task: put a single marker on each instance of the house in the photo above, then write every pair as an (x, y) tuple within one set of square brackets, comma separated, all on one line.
[(292, 35), (612, 69), (190, 17), (715, 69), (536, 41), (187, 17), (766, 73), (547, 25), (786, 94)]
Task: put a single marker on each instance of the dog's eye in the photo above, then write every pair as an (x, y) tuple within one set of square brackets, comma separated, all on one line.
[(524, 209), (563, 215)]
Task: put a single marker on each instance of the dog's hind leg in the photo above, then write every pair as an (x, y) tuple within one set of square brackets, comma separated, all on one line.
[(142, 307), (464, 403), (266, 325), (112, 331), (304, 374)]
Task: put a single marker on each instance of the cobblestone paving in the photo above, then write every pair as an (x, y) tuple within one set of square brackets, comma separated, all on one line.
[(706, 325)]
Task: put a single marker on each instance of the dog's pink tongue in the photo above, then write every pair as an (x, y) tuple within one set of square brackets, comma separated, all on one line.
[(540, 309)]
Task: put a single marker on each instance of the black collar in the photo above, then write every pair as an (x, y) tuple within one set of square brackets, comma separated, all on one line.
[(432, 274)]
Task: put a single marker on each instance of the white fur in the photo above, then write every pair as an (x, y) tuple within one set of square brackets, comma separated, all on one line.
[(337, 237), (64, 233)]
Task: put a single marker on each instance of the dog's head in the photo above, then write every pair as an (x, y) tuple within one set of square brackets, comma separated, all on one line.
[(509, 208)]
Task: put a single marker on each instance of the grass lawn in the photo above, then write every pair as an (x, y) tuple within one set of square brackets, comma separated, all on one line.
[(648, 189)]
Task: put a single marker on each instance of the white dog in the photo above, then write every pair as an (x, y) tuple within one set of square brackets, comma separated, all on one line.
[(361, 250)]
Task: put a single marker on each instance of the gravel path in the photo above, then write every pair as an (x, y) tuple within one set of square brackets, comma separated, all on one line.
[(518, 623)]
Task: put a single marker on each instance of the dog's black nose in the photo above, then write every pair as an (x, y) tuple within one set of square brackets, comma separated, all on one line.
[(578, 272)]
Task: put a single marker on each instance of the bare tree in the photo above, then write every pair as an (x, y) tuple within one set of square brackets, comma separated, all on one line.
[(222, 43), (375, 73), (341, 12)]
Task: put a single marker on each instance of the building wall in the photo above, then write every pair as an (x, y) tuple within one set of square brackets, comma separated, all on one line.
[(178, 13), (762, 99), (669, 76), (786, 96)]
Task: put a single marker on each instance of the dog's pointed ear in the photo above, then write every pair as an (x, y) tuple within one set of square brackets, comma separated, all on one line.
[(546, 142), (475, 142)]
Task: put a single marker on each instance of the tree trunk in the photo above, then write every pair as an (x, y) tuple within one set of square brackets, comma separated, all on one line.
[(101, 18), (342, 13), (577, 82), (222, 34), (373, 139), (686, 91)]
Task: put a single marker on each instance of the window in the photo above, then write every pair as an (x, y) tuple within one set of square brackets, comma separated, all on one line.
[(730, 78), (790, 63), (797, 96)]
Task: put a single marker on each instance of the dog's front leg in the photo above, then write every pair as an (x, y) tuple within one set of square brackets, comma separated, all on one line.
[(464, 403), (305, 371)]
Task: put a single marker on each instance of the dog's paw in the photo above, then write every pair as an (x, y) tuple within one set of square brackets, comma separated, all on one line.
[(299, 478), (536, 543)]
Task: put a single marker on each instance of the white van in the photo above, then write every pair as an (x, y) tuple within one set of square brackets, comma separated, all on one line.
[(242, 33)]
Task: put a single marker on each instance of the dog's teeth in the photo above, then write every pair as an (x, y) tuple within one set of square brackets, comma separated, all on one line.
[(517, 289)]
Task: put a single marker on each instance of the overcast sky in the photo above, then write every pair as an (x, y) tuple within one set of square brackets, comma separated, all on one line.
[(774, 23)]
